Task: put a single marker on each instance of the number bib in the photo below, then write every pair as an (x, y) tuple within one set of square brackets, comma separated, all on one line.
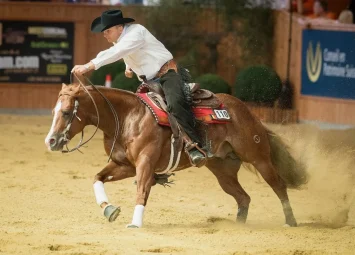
[(222, 114)]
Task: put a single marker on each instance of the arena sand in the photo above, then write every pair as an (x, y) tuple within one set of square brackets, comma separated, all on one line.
[(48, 205)]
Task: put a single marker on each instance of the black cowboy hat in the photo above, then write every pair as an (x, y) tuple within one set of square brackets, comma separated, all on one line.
[(109, 19)]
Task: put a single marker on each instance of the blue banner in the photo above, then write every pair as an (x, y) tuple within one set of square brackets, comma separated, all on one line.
[(328, 64)]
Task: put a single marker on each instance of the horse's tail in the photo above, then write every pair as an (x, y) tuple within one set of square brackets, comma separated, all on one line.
[(292, 172)]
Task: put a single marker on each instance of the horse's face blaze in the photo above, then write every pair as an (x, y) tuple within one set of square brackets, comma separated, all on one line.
[(62, 115)]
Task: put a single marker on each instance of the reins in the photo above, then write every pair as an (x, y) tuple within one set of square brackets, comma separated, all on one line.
[(117, 123), (80, 144)]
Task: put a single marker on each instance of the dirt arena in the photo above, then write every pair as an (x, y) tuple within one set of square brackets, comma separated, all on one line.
[(48, 205)]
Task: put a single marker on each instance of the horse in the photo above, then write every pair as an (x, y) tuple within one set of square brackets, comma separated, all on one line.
[(139, 147)]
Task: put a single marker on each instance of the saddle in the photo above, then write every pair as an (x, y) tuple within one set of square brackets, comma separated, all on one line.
[(200, 97), (205, 106)]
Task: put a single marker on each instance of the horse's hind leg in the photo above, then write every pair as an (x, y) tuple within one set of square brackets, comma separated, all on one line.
[(112, 172), (269, 173), (226, 172)]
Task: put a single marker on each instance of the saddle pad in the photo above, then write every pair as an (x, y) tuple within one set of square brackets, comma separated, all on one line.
[(208, 115)]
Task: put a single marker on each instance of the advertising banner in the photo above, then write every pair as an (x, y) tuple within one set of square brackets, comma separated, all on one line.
[(328, 64), (36, 52)]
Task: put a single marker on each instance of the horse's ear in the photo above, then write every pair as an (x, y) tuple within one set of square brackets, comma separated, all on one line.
[(64, 85), (76, 88)]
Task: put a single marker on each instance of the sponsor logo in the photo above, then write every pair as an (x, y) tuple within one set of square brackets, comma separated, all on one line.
[(57, 69), (314, 62), (49, 45), (10, 52), (19, 62), (329, 63), (13, 36), (55, 56), (47, 31)]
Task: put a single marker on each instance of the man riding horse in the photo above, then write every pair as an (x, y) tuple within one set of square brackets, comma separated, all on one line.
[(150, 60), (143, 142)]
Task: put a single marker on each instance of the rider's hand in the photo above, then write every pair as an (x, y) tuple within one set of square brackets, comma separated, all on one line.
[(129, 73), (81, 69)]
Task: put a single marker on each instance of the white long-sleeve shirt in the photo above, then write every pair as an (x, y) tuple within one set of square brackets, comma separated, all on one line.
[(140, 50)]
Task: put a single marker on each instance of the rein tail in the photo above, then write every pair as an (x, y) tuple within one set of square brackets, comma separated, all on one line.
[(292, 172)]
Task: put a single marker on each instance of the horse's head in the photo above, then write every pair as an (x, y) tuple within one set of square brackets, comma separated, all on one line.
[(67, 119)]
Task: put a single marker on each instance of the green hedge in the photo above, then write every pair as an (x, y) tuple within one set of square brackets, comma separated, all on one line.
[(122, 82), (98, 76), (259, 84), (189, 61), (214, 83)]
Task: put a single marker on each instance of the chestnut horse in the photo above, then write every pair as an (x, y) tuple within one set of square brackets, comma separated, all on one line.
[(140, 147)]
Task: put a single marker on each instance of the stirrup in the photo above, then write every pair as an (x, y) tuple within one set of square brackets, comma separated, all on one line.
[(190, 146)]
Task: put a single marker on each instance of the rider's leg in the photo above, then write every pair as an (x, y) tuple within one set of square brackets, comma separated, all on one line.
[(178, 106)]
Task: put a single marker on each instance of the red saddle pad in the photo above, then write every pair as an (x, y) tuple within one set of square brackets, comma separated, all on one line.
[(208, 115)]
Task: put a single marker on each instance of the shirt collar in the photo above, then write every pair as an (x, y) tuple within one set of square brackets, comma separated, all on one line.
[(123, 33)]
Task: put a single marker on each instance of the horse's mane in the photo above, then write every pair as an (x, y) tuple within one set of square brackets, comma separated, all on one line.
[(112, 94), (112, 90)]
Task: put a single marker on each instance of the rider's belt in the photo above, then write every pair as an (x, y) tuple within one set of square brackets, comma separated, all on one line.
[(171, 64)]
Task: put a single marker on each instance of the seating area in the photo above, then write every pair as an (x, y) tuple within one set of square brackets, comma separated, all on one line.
[(325, 11)]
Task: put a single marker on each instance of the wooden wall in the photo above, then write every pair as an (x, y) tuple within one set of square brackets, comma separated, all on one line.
[(86, 46), (310, 108)]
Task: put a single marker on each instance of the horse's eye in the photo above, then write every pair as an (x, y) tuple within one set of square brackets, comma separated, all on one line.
[(66, 113)]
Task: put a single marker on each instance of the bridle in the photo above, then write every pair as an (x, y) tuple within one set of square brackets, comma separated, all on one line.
[(67, 128), (74, 114)]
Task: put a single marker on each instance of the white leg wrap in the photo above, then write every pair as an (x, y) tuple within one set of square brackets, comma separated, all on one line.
[(100, 193), (138, 216)]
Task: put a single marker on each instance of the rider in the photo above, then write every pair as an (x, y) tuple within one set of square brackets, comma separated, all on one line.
[(147, 57)]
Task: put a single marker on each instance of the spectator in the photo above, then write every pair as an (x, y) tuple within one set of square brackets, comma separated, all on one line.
[(305, 7), (346, 17), (320, 11)]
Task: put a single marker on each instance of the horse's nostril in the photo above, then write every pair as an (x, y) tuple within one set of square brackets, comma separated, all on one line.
[(52, 141)]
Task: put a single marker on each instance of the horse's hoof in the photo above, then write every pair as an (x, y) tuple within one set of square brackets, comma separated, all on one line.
[(291, 223), (242, 214), (131, 226), (111, 212), (241, 220), (288, 225)]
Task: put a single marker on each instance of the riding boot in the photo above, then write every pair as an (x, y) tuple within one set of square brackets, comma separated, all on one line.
[(197, 158)]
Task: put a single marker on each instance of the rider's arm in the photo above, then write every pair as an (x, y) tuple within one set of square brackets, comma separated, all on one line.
[(129, 43)]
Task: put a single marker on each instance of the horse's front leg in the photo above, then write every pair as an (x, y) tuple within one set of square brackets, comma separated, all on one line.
[(112, 172), (145, 180)]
